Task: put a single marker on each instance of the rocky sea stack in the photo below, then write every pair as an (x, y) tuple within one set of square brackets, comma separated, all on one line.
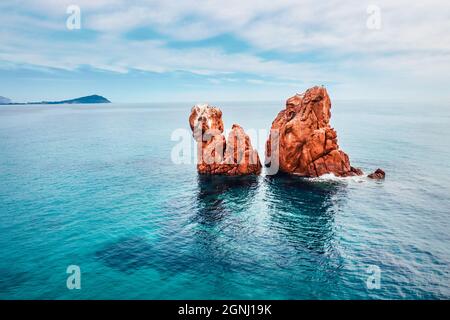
[(217, 155), (301, 141), (307, 145)]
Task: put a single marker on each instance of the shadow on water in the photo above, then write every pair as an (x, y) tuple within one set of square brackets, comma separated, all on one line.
[(130, 254), (220, 226), (173, 252), (221, 209), (11, 279), (219, 196), (303, 210)]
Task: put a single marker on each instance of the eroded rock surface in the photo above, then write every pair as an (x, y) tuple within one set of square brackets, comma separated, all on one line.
[(217, 155), (307, 145)]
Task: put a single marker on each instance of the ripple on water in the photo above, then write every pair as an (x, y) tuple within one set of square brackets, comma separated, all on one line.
[(97, 187)]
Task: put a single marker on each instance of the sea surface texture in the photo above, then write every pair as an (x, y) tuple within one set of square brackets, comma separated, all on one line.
[(95, 186)]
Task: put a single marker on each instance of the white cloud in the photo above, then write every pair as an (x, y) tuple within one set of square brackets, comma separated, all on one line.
[(413, 40), (110, 54)]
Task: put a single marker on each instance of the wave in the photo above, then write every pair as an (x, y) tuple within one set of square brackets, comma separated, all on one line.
[(332, 177)]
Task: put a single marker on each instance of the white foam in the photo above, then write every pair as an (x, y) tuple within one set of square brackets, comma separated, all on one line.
[(332, 177)]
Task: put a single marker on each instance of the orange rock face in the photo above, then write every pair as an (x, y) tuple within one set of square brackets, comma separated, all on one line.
[(306, 144), (217, 155)]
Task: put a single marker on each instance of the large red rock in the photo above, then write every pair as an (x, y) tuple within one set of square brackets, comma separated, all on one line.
[(217, 155), (307, 145)]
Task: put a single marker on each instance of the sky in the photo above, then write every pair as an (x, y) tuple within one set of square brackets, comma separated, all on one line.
[(156, 51)]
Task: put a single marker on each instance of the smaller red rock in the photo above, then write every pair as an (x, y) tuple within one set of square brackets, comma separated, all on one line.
[(378, 174), (217, 155)]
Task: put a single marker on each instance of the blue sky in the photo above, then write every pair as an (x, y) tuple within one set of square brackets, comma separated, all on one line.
[(148, 50)]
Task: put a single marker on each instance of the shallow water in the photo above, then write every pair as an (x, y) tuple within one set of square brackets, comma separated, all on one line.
[(94, 186)]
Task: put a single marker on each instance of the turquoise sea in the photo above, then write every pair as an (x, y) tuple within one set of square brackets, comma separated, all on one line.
[(94, 186)]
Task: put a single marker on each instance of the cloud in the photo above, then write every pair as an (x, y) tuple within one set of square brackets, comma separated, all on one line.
[(286, 25), (326, 41), (110, 54)]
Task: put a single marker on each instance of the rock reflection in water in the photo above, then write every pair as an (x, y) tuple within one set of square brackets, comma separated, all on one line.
[(221, 195), (304, 210)]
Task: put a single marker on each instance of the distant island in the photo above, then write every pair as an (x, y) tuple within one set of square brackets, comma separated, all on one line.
[(4, 100), (88, 99)]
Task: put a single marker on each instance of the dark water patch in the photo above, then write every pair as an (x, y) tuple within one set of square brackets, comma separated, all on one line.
[(134, 253), (304, 211), (11, 279), (217, 196)]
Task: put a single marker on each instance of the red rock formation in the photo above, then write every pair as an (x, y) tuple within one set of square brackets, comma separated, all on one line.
[(378, 174), (307, 145), (234, 156)]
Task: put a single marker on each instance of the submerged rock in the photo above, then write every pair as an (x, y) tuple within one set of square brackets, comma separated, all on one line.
[(306, 145), (378, 174), (217, 155)]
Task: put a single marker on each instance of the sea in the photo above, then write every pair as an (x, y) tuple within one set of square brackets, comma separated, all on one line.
[(95, 203)]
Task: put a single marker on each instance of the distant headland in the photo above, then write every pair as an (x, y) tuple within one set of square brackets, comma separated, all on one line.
[(88, 99), (4, 100)]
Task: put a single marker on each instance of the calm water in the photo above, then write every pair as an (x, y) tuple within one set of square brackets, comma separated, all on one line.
[(95, 186)]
